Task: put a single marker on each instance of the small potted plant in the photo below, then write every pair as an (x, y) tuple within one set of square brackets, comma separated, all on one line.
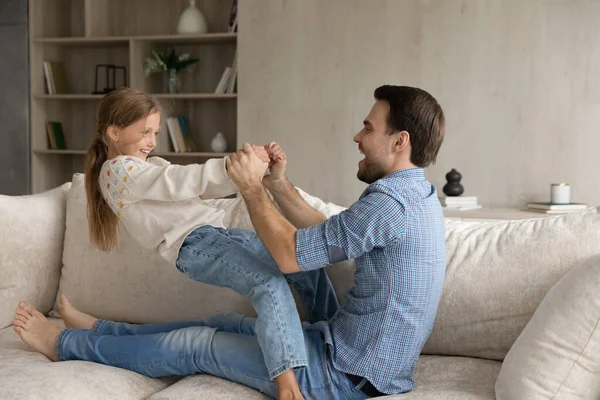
[(170, 62)]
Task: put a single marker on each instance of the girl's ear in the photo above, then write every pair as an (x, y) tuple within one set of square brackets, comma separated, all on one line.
[(113, 133)]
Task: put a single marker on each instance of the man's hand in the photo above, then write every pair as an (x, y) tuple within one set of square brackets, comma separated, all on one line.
[(261, 152), (277, 163), (245, 168)]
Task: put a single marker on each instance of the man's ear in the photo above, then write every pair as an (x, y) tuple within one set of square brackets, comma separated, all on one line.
[(113, 133), (401, 141)]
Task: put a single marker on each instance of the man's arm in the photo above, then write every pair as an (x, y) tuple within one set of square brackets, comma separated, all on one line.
[(293, 206), (277, 233)]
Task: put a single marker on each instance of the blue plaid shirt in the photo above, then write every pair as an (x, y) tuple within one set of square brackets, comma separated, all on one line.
[(395, 233)]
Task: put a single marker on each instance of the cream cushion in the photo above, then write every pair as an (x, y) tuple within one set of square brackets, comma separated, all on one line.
[(27, 374), (136, 285), (498, 274), (558, 353), (32, 233)]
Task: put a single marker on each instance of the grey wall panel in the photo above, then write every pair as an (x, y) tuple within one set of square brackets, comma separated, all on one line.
[(14, 98)]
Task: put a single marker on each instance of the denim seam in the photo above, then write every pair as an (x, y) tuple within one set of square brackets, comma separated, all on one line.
[(290, 364), (97, 325), (257, 277), (275, 372), (287, 366), (59, 342)]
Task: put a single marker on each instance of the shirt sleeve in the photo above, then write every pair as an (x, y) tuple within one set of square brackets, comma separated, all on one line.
[(138, 180), (376, 220)]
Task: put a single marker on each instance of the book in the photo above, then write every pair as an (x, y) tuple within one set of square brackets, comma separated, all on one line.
[(56, 136), (173, 135), (556, 207), (222, 85), (458, 201), (56, 77), (184, 126), (550, 212), (462, 208)]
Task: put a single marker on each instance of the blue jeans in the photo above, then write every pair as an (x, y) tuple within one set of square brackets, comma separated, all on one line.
[(228, 345), (224, 345)]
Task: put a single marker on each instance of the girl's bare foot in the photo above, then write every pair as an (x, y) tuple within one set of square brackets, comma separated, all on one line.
[(35, 330), (287, 387), (74, 318)]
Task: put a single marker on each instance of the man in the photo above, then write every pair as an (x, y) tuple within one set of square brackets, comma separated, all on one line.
[(367, 347), (395, 233)]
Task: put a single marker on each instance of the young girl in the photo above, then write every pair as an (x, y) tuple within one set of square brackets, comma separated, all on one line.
[(160, 205)]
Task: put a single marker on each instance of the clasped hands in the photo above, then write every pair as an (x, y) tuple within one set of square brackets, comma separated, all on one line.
[(248, 166)]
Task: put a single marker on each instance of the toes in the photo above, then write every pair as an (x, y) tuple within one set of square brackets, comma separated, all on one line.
[(19, 330), (19, 324), (22, 312), (30, 309)]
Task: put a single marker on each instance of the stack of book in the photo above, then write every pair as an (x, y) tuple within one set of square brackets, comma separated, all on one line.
[(227, 83), (460, 203), (181, 136), (553, 208)]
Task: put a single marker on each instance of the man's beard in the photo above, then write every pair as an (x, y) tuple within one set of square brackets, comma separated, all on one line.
[(369, 173)]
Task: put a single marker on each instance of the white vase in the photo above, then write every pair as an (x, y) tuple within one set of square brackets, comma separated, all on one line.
[(192, 20), (219, 143)]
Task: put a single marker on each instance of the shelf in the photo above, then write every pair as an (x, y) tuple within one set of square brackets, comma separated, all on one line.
[(178, 96), (63, 152), (70, 97), (188, 39), (167, 154), (195, 96), (124, 40), (84, 41)]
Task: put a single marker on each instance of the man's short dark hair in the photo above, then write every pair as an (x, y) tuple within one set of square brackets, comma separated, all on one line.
[(417, 112)]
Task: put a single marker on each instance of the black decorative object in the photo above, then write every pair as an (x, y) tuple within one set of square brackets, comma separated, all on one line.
[(453, 187), (111, 72)]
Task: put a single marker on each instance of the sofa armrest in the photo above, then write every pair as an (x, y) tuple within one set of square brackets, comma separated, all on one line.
[(32, 230)]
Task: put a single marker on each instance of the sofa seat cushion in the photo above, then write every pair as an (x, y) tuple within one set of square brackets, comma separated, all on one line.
[(436, 378), (26, 374)]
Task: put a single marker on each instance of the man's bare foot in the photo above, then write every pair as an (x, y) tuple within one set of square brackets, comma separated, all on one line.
[(72, 317), (35, 330), (287, 387)]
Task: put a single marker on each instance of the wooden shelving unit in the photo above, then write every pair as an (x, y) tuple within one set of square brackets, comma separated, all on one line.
[(84, 33)]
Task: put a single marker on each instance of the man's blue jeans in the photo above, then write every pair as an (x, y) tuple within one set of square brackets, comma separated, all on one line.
[(228, 345)]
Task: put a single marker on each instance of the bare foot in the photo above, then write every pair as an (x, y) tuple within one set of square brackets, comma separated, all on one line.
[(74, 318), (35, 330), (289, 395), (287, 387)]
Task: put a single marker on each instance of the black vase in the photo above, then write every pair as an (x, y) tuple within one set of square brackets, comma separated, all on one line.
[(453, 187)]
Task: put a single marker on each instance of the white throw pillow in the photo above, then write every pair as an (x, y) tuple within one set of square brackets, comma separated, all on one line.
[(135, 284), (557, 356), (32, 232)]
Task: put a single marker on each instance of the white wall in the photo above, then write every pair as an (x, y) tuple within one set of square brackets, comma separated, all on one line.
[(519, 82)]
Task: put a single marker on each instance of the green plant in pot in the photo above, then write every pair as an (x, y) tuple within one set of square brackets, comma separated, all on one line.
[(171, 63)]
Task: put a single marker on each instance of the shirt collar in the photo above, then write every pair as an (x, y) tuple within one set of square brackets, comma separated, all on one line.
[(410, 173)]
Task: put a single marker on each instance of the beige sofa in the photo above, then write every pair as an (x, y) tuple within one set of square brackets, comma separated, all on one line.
[(487, 342)]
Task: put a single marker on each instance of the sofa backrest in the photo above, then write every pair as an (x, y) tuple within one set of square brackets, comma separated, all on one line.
[(134, 284), (32, 231), (497, 274)]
